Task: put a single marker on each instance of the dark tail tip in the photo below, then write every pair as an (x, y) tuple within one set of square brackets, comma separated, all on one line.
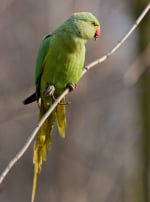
[(30, 99)]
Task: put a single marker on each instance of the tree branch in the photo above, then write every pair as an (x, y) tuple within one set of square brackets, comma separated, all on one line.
[(98, 61)]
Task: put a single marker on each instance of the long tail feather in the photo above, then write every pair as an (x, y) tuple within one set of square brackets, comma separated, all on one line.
[(61, 118), (34, 184), (41, 146)]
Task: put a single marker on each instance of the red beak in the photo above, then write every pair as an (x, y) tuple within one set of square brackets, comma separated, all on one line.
[(97, 33)]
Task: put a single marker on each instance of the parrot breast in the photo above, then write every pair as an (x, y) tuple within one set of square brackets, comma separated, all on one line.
[(63, 63)]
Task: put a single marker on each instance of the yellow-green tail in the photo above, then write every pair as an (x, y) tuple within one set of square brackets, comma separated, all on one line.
[(42, 145), (61, 117), (43, 139)]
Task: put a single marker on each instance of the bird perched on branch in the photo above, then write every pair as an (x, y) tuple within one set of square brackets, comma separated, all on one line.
[(59, 64)]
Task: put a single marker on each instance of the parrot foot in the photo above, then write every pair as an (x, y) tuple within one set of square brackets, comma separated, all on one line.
[(72, 86), (49, 91)]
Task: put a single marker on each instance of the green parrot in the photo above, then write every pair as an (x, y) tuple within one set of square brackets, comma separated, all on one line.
[(59, 65)]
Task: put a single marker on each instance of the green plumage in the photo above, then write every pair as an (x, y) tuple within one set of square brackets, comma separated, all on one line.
[(59, 63)]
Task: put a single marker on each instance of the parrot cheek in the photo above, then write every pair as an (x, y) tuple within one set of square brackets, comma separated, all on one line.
[(97, 33)]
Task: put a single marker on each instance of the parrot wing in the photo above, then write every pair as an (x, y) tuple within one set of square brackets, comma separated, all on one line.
[(41, 56), (39, 69)]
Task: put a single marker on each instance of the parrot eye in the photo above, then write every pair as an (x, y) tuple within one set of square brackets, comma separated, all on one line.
[(93, 23)]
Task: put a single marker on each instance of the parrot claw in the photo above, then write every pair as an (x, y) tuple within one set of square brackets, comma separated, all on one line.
[(49, 91), (72, 86)]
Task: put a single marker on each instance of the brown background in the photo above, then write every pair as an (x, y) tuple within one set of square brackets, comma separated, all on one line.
[(101, 159)]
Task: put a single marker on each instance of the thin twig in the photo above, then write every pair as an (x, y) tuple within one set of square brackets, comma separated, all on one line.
[(31, 138), (98, 61), (124, 38)]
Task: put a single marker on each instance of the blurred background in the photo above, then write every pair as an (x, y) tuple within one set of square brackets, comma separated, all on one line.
[(105, 156)]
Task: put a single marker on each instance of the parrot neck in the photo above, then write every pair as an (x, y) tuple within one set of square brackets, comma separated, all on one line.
[(72, 42)]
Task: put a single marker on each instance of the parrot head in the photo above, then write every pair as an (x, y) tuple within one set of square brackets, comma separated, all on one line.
[(86, 25)]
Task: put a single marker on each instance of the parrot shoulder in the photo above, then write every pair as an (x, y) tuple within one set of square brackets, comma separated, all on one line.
[(46, 36)]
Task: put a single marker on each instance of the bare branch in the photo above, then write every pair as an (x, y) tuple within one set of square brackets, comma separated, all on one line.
[(121, 42), (31, 138), (98, 61)]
